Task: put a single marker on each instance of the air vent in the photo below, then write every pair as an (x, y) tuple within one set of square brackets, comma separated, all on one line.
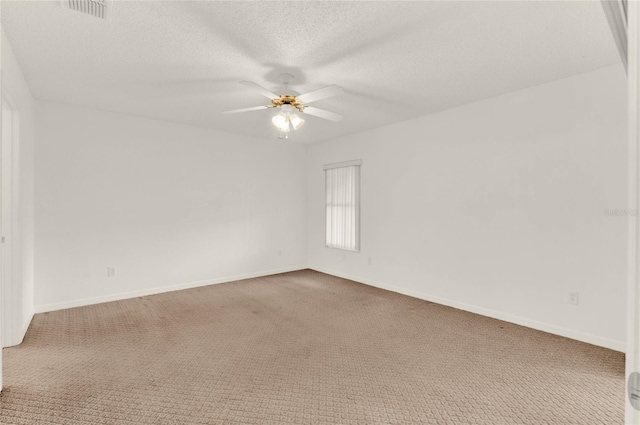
[(97, 8)]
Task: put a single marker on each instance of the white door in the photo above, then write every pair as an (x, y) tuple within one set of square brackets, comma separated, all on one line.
[(6, 129)]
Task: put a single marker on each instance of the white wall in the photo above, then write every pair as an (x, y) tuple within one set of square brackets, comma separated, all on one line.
[(18, 305), (168, 205), (496, 207)]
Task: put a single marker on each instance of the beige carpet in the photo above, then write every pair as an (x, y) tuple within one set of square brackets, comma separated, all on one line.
[(301, 348)]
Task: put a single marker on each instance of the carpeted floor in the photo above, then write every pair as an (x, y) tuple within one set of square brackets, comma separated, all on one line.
[(301, 348)]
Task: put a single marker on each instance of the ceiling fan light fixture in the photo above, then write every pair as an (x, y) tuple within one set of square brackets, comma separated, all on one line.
[(281, 122), (296, 121), (286, 120)]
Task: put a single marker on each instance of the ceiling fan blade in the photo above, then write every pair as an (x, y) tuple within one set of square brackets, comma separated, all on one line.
[(258, 88), (310, 110), (255, 108), (320, 94)]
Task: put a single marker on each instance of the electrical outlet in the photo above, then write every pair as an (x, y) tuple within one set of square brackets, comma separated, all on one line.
[(111, 271), (573, 298)]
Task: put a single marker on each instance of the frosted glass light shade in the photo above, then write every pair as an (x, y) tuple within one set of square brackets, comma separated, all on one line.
[(296, 121), (281, 122)]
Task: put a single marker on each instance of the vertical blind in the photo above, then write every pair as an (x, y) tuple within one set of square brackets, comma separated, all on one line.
[(343, 205)]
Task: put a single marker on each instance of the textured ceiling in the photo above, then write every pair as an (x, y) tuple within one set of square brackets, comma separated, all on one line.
[(181, 61)]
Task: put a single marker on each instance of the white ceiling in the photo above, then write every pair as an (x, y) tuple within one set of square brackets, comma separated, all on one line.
[(181, 61)]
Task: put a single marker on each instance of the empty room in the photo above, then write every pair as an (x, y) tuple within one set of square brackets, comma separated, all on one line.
[(320, 212)]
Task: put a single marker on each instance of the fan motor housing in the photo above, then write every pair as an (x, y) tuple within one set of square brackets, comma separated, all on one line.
[(285, 99)]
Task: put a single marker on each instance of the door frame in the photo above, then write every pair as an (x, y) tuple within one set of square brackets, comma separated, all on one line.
[(632, 415), (10, 289)]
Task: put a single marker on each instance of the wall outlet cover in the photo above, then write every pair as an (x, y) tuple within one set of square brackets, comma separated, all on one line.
[(573, 298)]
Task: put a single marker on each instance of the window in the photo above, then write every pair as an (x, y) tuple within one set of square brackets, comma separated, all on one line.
[(342, 185)]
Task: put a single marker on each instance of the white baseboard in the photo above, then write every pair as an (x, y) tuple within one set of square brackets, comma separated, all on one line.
[(158, 290), (541, 326)]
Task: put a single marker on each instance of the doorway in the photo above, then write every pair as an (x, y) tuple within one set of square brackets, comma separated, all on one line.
[(8, 152)]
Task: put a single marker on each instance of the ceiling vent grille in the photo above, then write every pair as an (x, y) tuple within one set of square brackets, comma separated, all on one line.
[(97, 8)]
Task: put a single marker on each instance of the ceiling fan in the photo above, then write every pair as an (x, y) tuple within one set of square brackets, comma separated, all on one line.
[(286, 120)]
